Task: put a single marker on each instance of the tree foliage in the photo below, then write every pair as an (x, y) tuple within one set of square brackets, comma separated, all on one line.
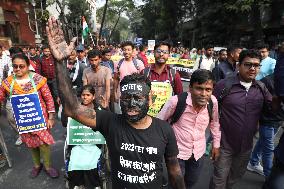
[(116, 25), (201, 21), (161, 19), (77, 10), (246, 5)]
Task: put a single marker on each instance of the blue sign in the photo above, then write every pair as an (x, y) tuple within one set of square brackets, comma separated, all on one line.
[(28, 113)]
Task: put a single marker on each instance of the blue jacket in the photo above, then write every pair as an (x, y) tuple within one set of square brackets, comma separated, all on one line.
[(223, 70), (279, 76)]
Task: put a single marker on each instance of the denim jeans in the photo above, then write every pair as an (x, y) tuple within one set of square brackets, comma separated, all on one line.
[(276, 178), (264, 148), (191, 170)]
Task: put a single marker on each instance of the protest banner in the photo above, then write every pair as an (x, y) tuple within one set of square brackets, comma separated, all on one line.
[(28, 113), (182, 66), (78, 134), (161, 92)]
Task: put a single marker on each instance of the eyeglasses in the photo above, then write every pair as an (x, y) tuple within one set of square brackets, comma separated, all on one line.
[(15, 66), (249, 65), (159, 51)]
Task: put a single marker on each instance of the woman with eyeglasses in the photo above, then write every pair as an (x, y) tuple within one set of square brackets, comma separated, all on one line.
[(23, 82)]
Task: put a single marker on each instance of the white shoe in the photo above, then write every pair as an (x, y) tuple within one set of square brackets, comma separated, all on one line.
[(257, 168), (19, 141)]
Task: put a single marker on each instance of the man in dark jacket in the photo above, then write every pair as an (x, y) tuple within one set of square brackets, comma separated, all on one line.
[(227, 67), (268, 126), (276, 178), (76, 73)]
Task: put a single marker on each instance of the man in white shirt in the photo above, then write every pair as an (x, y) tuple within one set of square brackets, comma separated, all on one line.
[(206, 61), (4, 60)]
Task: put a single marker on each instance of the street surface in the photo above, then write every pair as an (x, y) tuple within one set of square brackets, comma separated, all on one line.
[(17, 177)]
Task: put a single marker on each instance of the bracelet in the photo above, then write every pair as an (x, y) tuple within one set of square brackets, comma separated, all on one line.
[(51, 119)]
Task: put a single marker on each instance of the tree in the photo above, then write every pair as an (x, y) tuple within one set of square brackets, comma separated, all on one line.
[(118, 7), (103, 19), (61, 7), (74, 17), (252, 8), (114, 22), (161, 19)]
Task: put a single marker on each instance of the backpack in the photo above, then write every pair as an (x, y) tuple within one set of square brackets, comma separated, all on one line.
[(140, 58), (134, 60), (181, 105), (200, 61), (171, 75), (229, 83), (227, 90)]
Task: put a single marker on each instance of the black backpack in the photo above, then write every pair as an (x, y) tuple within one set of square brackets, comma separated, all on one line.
[(181, 104), (227, 90), (229, 83), (134, 60)]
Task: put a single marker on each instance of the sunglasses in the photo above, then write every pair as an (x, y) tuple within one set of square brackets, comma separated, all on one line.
[(159, 51), (249, 65), (15, 66)]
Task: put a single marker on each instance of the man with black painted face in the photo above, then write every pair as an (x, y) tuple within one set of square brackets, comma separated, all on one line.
[(137, 142)]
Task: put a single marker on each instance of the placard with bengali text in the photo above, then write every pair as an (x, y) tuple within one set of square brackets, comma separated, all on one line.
[(161, 91), (79, 134), (28, 113)]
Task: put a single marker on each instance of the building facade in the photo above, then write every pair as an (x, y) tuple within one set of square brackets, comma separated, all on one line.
[(14, 24)]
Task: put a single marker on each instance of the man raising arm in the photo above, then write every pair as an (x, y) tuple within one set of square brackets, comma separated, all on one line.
[(137, 142), (61, 51)]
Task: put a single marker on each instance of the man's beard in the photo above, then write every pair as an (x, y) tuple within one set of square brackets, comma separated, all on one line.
[(141, 108), (161, 61)]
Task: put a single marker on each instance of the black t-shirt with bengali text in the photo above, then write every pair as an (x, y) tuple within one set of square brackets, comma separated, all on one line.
[(136, 154)]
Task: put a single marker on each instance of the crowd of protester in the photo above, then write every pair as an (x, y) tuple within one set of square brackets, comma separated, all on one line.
[(235, 92)]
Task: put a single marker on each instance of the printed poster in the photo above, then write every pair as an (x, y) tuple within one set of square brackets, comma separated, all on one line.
[(28, 113), (78, 134), (151, 45), (161, 92), (182, 66)]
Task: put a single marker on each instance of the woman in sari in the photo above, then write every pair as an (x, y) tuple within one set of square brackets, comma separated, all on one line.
[(24, 82)]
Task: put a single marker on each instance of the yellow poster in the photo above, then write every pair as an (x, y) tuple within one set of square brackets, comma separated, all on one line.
[(151, 59), (116, 58), (161, 92), (174, 61)]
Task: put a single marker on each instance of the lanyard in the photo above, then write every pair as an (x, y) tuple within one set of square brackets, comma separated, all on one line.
[(13, 83)]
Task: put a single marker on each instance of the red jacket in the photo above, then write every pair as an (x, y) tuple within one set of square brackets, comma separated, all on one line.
[(143, 57)]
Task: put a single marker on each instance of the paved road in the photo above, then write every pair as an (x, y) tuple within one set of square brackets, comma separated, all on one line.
[(17, 176)]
